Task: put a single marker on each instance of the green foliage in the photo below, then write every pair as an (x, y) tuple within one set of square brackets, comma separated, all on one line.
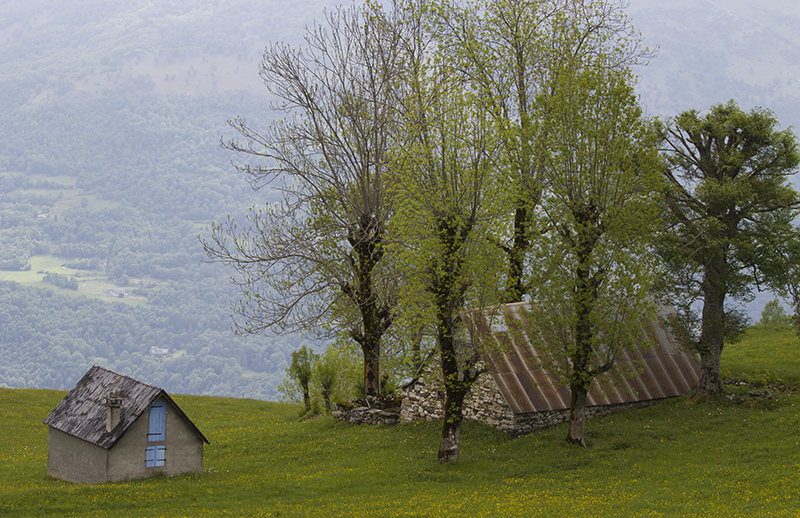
[(335, 375), (774, 314), (61, 281), (730, 213), (677, 458)]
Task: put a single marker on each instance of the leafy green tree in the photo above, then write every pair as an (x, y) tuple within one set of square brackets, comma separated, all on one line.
[(299, 373), (774, 314), (594, 268), (445, 204), (730, 213), (316, 260), (513, 51)]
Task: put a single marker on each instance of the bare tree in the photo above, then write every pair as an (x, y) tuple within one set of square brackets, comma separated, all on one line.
[(316, 261)]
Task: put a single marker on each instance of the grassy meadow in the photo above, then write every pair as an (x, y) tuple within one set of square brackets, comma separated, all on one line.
[(767, 355), (91, 284), (682, 457)]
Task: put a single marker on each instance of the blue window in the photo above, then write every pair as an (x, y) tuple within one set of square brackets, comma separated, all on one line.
[(158, 422), (155, 456)]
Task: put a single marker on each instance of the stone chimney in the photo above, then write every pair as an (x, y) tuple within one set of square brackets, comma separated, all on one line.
[(113, 403)]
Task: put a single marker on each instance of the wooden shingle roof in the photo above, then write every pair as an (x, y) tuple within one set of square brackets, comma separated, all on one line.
[(515, 363), (82, 412)]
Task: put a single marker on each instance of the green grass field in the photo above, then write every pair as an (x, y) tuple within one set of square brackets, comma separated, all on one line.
[(90, 283), (679, 458), (766, 355)]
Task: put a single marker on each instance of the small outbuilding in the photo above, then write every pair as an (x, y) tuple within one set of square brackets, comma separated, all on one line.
[(112, 427), (518, 393)]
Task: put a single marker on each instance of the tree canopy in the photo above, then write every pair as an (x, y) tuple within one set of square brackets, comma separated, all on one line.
[(730, 212)]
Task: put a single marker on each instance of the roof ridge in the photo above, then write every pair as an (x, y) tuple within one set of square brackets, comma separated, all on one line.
[(140, 382)]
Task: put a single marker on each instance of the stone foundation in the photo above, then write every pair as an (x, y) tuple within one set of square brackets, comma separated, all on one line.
[(423, 398), (367, 411)]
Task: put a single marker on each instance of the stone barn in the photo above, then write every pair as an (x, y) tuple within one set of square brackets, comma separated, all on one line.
[(112, 427), (518, 393)]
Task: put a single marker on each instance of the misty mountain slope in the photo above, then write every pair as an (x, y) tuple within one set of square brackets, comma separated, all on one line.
[(712, 50), (110, 167)]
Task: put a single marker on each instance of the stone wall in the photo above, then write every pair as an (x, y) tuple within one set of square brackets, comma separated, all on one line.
[(367, 411), (423, 398)]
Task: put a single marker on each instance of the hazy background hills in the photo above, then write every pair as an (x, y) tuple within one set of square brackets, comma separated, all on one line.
[(714, 50), (110, 167)]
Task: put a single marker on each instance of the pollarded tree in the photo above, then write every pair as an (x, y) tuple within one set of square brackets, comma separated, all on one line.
[(316, 261), (730, 213), (603, 172), (300, 371), (445, 200), (512, 51), (325, 376)]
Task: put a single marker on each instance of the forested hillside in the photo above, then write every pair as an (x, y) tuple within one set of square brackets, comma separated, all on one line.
[(110, 169), (111, 114)]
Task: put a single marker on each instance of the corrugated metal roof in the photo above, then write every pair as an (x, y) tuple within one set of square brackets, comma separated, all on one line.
[(82, 412), (521, 374)]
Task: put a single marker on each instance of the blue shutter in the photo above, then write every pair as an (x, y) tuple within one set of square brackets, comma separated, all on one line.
[(158, 422), (155, 456), (161, 455), (150, 457)]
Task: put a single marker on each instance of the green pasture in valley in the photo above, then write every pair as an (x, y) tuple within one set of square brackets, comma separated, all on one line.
[(90, 283)]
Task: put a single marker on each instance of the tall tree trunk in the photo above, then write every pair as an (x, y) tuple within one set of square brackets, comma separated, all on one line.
[(584, 299), (306, 397), (577, 415), (456, 387), (515, 287), (449, 297), (326, 395), (372, 363), (375, 318), (450, 445), (712, 334)]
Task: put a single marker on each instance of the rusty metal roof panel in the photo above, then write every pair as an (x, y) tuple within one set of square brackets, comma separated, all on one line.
[(82, 412), (529, 385)]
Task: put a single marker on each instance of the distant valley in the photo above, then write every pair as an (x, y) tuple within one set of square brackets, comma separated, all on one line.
[(110, 169)]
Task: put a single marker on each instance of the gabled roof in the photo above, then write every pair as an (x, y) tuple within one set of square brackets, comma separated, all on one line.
[(82, 412), (664, 369)]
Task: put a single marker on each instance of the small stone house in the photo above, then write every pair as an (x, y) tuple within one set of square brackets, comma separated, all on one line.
[(112, 427), (518, 394)]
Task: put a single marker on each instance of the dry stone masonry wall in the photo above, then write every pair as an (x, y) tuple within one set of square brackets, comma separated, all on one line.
[(423, 399), (367, 411)]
